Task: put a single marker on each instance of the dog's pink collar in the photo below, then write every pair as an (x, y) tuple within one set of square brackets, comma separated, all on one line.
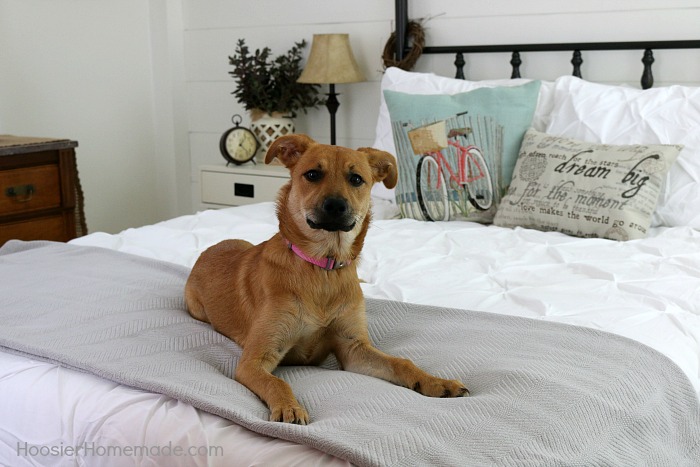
[(329, 264)]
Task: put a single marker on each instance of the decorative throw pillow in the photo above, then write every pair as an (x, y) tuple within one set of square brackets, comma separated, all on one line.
[(584, 189), (456, 152), (607, 114), (396, 79)]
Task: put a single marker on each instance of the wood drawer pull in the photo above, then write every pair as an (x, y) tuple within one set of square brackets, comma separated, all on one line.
[(21, 193)]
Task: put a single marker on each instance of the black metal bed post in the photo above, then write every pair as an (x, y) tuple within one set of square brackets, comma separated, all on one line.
[(647, 76), (577, 61), (459, 65), (401, 28), (515, 62)]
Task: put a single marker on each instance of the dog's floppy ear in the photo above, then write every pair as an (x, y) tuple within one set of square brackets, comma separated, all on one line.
[(383, 166), (288, 149)]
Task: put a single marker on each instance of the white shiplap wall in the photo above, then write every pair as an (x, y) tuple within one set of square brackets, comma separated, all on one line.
[(211, 29), (211, 32)]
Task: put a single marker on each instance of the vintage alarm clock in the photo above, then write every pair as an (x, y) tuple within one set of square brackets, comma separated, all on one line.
[(238, 144)]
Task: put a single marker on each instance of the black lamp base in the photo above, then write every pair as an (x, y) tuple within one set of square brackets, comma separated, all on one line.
[(332, 105)]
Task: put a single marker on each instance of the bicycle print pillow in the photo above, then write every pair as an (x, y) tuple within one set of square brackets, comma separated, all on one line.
[(584, 189), (456, 152)]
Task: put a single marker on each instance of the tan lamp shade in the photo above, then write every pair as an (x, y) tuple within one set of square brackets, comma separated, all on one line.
[(331, 61)]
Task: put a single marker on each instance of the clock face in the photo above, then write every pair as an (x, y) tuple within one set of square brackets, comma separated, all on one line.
[(240, 144)]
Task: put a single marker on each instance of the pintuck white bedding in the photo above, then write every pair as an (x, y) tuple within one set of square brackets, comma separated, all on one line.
[(647, 290)]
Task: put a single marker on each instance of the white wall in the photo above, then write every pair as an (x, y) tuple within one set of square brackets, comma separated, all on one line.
[(144, 86), (84, 70)]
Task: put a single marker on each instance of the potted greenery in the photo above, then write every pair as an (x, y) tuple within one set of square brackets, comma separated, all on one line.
[(267, 87)]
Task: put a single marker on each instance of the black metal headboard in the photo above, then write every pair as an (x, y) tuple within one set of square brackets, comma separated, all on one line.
[(647, 47)]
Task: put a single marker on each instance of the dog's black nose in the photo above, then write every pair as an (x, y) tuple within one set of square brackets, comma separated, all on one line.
[(333, 214), (335, 207)]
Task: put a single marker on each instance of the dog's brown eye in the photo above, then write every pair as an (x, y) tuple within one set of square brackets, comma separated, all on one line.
[(356, 180), (313, 175)]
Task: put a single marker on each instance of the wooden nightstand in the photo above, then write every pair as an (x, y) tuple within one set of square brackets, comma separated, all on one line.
[(40, 194), (241, 184)]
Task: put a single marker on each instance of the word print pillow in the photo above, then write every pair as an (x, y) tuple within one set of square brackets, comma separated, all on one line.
[(584, 189)]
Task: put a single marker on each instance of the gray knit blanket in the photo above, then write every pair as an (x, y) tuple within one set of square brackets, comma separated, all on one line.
[(542, 393)]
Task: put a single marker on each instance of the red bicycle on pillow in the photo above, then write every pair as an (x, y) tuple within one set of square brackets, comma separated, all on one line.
[(471, 180)]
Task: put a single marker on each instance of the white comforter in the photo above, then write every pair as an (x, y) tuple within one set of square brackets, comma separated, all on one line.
[(647, 290)]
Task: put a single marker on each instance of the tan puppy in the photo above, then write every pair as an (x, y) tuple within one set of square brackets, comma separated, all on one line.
[(281, 302)]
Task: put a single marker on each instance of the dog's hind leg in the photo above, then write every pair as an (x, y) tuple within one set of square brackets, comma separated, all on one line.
[(194, 306), (198, 283)]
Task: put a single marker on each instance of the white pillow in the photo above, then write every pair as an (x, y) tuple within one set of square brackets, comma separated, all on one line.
[(396, 79), (607, 114)]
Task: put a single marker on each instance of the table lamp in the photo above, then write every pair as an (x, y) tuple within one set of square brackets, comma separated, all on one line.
[(331, 62)]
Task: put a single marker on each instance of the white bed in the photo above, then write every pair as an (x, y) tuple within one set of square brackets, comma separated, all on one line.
[(647, 290)]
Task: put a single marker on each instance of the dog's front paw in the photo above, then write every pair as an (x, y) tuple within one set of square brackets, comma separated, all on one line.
[(292, 413), (437, 387)]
